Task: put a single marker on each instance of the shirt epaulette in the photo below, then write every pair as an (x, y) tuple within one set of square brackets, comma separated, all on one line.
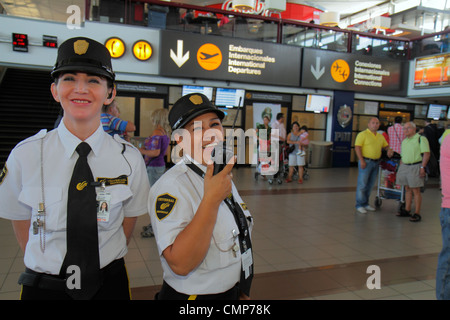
[(41, 134), (120, 140)]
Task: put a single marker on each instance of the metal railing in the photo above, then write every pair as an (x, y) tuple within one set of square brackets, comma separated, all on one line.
[(214, 21), (220, 22)]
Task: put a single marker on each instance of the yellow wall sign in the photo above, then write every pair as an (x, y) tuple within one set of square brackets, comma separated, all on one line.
[(142, 50), (116, 47)]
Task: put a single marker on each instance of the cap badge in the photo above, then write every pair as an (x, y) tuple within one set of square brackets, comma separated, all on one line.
[(80, 47), (196, 99)]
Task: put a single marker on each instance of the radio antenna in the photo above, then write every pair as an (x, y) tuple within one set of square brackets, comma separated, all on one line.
[(237, 113)]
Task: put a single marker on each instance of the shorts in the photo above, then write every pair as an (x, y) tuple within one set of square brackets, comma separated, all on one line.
[(409, 175), (296, 160)]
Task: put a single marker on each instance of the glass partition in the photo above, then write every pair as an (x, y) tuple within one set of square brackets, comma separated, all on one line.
[(326, 39), (378, 47)]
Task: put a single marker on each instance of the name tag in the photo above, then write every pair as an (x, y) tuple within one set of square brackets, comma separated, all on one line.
[(123, 179)]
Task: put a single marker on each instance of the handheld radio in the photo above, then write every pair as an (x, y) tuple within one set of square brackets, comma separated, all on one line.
[(221, 154)]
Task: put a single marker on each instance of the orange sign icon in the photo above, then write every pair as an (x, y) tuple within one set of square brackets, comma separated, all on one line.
[(116, 47), (340, 70), (209, 56)]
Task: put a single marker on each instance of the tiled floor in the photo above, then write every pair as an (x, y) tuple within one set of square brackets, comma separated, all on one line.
[(308, 243)]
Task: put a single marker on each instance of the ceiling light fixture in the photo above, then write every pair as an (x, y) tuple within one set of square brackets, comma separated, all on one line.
[(329, 19)]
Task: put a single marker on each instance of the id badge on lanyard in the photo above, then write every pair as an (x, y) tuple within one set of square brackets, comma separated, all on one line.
[(103, 204)]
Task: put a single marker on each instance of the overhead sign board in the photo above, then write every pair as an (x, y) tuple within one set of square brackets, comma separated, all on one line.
[(432, 71), (222, 58), (351, 72)]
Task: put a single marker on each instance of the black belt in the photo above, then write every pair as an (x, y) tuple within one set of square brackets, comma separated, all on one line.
[(410, 164), (46, 281), (371, 159)]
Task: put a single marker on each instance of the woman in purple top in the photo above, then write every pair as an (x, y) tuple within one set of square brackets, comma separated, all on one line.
[(154, 150), (155, 146)]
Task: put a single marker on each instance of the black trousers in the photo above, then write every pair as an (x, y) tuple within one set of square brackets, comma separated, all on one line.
[(168, 293), (115, 285)]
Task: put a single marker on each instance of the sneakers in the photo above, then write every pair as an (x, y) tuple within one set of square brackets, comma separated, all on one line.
[(365, 209), (301, 153), (361, 210), (148, 231)]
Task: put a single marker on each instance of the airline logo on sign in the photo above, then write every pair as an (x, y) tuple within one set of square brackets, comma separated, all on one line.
[(209, 56), (221, 58), (342, 71)]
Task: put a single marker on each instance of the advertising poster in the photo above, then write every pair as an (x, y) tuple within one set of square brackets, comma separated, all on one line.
[(260, 110), (432, 71)]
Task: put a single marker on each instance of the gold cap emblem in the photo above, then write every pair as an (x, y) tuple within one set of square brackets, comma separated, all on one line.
[(196, 99), (80, 47)]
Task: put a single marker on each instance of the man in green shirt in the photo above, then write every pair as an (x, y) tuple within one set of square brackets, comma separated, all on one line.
[(411, 172)]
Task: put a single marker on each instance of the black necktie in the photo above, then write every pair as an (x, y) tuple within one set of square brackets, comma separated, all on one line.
[(82, 232)]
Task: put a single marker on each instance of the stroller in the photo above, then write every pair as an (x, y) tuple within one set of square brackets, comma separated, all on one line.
[(282, 161), (295, 175), (265, 166), (283, 167)]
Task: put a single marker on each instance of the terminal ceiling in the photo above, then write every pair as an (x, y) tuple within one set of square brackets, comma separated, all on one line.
[(56, 9)]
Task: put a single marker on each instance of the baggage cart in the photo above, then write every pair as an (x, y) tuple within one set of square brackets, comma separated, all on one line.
[(386, 187)]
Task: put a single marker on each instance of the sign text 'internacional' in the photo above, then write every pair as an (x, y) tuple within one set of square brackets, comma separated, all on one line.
[(330, 70), (369, 74), (247, 60), (211, 57)]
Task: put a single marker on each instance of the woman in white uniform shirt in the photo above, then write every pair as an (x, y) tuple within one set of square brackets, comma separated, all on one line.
[(39, 170), (197, 234)]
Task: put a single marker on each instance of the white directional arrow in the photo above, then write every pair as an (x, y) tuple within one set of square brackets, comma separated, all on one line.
[(317, 71), (179, 58)]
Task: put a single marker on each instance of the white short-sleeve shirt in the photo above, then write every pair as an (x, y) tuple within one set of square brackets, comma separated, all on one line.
[(21, 191), (173, 202)]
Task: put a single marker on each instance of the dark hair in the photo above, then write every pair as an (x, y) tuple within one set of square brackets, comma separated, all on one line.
[(109, 82), (304, 128), (398, 119), (280, 115), (295, 122)]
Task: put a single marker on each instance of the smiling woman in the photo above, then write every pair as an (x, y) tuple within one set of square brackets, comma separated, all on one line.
[(205, 249), (74, 249), (82, 97), (201, 136)]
